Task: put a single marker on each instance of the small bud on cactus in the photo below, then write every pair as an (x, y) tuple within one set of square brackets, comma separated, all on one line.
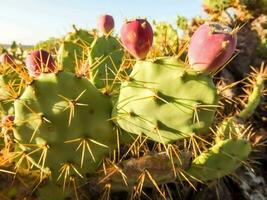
[(105, 24), (211, 46), (39, 61), (8, 119), (137, 37), (6, 59)]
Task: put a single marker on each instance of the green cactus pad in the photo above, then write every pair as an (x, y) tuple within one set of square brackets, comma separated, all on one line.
[(52, 191), (69, 55), (105, 60), (165, 101), (229, 127), (253, 99), (220, 160), (9, 82), (73, 50), (3, 91), (8, 79), (80, 36), (43, 118), (6, 108)]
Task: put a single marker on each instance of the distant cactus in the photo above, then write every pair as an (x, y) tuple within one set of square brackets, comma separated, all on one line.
[(216, 5), (166, 41)]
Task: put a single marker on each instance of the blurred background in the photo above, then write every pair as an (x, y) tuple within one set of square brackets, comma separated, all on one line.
[(31, 21)]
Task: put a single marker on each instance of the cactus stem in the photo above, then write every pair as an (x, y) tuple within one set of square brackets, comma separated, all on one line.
[(254, 97)]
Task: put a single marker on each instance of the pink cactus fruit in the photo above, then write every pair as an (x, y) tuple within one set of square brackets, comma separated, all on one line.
[(39, 61), (7, 59), (211, 46), (8, 120), (137, 37), (105, 24)]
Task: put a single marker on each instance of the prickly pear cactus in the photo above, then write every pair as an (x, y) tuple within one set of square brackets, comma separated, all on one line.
[(262, 49), (105, 59), (158, 91), (6, 106), (62, 124), (72, 53), (3, 87), (171, 123), (53, 191), (220, 160), (11, 85)]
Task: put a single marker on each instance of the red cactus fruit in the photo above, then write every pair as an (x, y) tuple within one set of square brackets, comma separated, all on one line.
[(8, 119), (7, 59), (39, 61), (137, 37), (105, 24), (211, 46)]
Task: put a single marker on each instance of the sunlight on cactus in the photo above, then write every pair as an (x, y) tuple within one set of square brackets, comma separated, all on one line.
[(148, 113)]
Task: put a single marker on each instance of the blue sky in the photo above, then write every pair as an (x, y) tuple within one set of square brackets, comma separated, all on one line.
[(29, 21)]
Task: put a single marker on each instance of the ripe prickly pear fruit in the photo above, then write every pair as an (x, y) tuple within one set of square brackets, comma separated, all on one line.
[(137, 37), (105, 24), (6, 59), (39, 61), (8, 119), (211, 46)]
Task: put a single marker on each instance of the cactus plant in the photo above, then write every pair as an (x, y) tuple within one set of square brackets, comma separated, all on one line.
[(11, 85), (58, 113), (148, 105), (72, 52), (105, 59), (220, 160), (171, 123)]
